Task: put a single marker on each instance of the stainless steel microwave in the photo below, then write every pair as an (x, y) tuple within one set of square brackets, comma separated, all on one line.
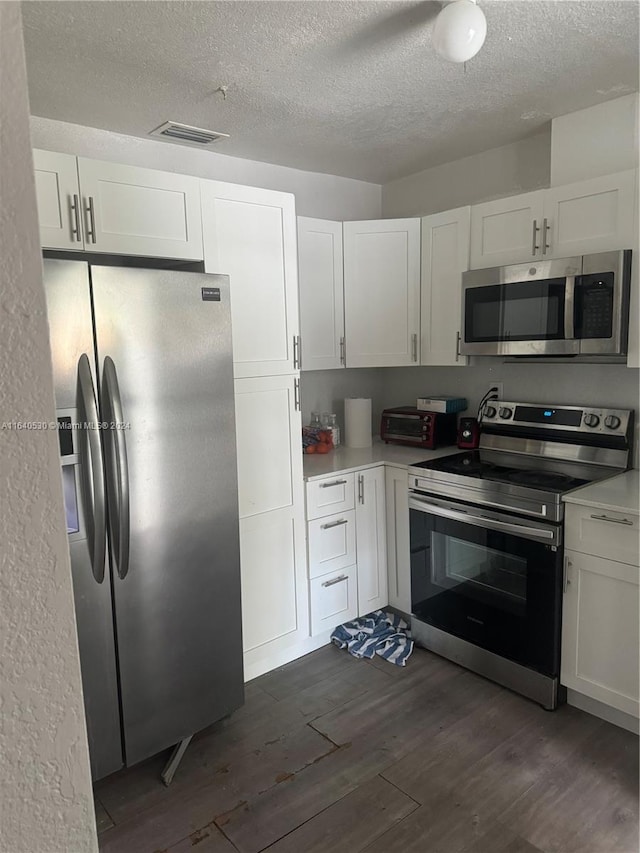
[(567, 306)]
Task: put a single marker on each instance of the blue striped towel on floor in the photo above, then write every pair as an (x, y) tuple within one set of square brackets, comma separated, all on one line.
[(380, 633)]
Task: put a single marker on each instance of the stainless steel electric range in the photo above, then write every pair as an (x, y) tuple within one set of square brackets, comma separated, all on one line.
[(487, 540)]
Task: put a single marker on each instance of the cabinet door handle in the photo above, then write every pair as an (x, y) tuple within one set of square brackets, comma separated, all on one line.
[(91, 226), (333, 483), (297, 355), (296, 394), (414, 347), (75, 210), (336, 580), (534, 244), (614, 520), (342, 352), (545, 231), (457, 346), (331, 524), (565, 574), (361, 488)]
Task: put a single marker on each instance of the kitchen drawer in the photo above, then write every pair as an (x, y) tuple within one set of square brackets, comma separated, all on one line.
[(333, 494), (603, 533), (334, 599), (332, 543)]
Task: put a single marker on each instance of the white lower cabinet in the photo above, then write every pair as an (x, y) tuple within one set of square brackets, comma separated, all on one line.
[(398, 553), (600, 630), (347, 549), (371, 540), (600, 627), (275, 613), (334, 599)]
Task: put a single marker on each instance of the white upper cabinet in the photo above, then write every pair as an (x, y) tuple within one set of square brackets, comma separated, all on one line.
[(58, 195), (321, 293), (123, 210), (445, 256), (590, 216), (506, 231), (250, 235), (382, 292), (132, 211), (575, 219)]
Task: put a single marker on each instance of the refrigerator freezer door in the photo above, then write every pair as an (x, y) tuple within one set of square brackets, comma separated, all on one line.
[(71, 336), (171, 467)]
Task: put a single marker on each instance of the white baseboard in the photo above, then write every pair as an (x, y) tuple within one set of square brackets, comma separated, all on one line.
[(605, 712), (284, 656)]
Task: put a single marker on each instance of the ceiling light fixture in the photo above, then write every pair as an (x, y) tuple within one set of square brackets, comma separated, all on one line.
[(459, 30)]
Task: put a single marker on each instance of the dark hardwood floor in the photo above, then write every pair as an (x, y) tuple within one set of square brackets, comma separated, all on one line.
[(334, 755)]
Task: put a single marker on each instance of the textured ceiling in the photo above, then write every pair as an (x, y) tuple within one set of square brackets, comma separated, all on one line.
[(347, 88)]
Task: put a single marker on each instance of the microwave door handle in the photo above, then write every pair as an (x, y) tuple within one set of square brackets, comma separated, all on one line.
[(569, 304)]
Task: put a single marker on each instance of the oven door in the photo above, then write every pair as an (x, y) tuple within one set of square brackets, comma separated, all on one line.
[(492, 579)]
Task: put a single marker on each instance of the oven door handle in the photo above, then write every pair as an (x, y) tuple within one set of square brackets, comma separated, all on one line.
[(456, 513)]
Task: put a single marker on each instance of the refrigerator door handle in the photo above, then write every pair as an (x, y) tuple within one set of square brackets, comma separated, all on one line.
[(92, 473), (117, 467)]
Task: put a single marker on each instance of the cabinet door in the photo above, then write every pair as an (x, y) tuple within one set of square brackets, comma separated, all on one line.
[(320, 281), (382, 292), (600, 630), (398, 554), (445, 256), (275, 613), (590, 216), (371, 541), (58, 197), (132, 211), (506, 231), (250, 234)]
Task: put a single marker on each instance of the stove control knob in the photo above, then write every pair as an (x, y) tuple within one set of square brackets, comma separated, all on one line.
[(591, 420), (612, 422), (505, 412), (490, 412)]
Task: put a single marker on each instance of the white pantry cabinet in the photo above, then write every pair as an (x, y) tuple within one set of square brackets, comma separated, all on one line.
[(58, 195), (506, 231), (320, 278), (445, 256), (398, 553), (106, 207), (600, 639), (250, 235), (371, 540), (382, 292), (272, 535), (581, 218)]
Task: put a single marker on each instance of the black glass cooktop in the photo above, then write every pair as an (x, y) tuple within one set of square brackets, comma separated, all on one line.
[(472, 464)]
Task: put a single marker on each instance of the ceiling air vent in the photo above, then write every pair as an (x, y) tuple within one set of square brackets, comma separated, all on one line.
[(184, 134)]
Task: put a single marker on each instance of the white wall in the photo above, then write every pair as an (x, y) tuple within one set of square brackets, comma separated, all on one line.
[(45, 785), (317, 195), (497, 173), (596, 141)]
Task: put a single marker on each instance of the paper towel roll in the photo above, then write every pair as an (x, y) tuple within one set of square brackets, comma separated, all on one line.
[(357, 422)]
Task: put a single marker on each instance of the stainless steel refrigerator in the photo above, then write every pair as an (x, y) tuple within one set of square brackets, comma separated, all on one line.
[(151, 500)]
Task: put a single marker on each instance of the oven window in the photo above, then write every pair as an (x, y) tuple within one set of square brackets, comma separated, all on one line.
[(479, 571), (527, 311), (411, 427)]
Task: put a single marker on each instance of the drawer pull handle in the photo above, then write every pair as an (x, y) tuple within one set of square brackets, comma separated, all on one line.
[(615, 520), (333, 524), (333, 483), (336, 580)]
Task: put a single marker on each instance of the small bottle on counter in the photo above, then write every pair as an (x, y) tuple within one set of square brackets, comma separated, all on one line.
[(330, 422)]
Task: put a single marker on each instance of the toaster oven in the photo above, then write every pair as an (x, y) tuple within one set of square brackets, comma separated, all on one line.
[(408, 425)]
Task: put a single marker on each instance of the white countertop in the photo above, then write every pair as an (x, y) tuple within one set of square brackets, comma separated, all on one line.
[(618, 494), (344, 459)]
